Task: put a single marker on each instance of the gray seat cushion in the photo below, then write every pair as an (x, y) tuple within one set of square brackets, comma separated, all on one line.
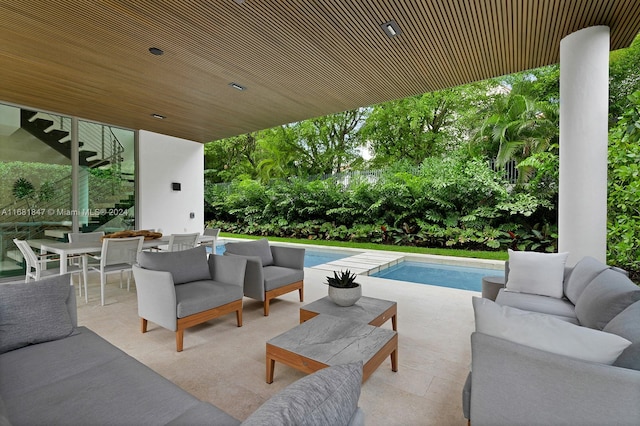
[(258, 248), (583, 273), (277, 276), (327, 397), (199, 296), (608, 294), (627, 325), (185, 266), (34, 312), (543, 304), (84, 380)]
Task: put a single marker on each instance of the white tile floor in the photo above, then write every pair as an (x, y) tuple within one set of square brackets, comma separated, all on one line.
[(225, 365)]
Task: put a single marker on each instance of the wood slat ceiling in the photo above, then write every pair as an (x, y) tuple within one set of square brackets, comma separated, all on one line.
[(297, 59)]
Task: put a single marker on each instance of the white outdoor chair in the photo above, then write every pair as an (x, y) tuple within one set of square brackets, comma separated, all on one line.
[(179, 242), (212, 232), (36, 264), (85, 237), (117, 255)]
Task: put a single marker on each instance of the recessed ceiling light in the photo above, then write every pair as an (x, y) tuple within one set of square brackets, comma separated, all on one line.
[(158, 116), (391, 29), (156, 51), (239, 1), (237, 86)]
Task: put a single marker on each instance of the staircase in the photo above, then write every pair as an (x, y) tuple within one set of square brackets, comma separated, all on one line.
[(97, 148)]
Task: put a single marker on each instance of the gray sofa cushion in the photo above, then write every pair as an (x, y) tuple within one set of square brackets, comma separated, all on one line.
[(199, 296), (34, 312), (608, 294), (583, 273), (627, 325), (535, 303), (258, 248), (327, 397), (185, 266), (84, 380), (277, 276)]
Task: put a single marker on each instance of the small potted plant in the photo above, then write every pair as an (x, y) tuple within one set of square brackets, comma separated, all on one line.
[(343, 290)]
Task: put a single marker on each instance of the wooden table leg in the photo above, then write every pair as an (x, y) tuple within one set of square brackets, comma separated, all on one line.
[(271, 363)]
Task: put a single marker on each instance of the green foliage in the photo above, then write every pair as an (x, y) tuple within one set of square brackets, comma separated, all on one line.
[(342, 279), (446, 202), (624, 190), (23, 189)]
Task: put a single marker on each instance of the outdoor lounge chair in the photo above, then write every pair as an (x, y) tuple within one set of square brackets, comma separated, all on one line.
[(271, 270)]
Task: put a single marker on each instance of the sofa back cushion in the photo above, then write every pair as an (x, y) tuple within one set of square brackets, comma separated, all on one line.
[(258, 248), (583, 273), (536, 273), (327, 397), (627, 325), (604, 298), (35, 312), (185, 266)]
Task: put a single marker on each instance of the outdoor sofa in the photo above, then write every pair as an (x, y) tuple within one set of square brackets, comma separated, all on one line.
[(560, 346), (53, 372)]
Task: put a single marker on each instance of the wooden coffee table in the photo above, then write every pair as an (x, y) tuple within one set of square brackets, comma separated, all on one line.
[(368, 310), (326, 340)]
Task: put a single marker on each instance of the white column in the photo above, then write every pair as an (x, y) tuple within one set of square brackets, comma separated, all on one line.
[(584, 105)]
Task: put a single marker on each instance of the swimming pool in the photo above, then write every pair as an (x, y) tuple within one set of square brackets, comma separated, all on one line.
[(461, 277), (311, 258)]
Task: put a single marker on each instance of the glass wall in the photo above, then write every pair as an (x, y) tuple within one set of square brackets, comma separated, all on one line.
[(36, 171)]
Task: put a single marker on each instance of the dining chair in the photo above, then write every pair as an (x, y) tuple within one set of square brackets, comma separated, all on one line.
[(212, 232), (117, 255), (85, 237), (36, 265), (179, 242)]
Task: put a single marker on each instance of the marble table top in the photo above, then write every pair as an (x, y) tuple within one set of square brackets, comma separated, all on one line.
[(332, 340), (366, 309)]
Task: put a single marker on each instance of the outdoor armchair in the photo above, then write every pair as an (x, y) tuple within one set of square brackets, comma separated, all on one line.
[(178, 290), (271, 270)]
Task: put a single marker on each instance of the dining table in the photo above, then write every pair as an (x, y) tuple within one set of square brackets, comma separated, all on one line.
[(82, 248)]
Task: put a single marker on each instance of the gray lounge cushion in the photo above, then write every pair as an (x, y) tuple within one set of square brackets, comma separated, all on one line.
[(327, 397), (258, 248), (583, 273), (199, 296), (185, 266), (627, 325), (535, 303), (34, 312), (608, 294), (277, 276)]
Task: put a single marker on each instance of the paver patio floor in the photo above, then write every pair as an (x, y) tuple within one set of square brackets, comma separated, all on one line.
[(225, 365)]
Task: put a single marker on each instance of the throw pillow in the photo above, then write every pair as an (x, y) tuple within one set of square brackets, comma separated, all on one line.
[(583, 273), (34, 312), (609, 294), (258, 248), (536, 273), (185, 266), (547, 333), (327, 397)]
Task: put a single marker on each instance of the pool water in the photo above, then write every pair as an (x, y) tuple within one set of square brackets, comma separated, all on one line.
[(461, 277), (311, 258)]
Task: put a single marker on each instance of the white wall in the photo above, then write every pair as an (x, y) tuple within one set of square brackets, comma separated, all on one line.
[(162, 160)]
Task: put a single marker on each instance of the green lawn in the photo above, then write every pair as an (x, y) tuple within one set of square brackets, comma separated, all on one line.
[(491, 255)]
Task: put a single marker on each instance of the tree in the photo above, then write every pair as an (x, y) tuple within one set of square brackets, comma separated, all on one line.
[(624, 79), (520, 126), (412, 128)]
